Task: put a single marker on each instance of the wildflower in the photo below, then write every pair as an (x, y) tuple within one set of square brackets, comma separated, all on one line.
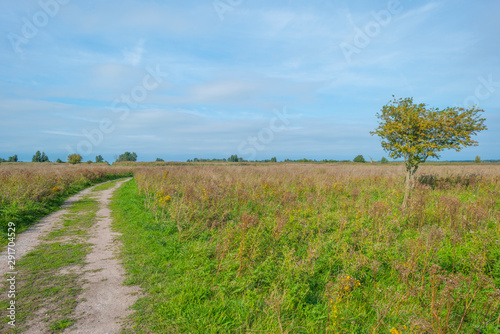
[(163, 199)]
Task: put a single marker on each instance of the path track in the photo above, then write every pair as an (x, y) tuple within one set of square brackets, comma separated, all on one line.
[(105, 301)]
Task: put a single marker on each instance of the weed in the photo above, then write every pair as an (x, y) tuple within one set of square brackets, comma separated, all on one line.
[(301, 248)]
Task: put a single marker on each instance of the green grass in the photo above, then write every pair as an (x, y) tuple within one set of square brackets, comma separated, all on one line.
[(105, 186), (265, 251), (62, 324), (46, 289), (187, 293)]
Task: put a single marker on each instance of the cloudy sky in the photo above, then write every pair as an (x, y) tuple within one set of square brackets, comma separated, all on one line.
[(284, 78)]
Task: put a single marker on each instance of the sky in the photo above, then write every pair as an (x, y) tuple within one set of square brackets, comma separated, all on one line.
[(212, 78)]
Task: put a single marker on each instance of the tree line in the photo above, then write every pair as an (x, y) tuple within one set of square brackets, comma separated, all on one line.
[(132, 156), (73, 158), (235, 158)]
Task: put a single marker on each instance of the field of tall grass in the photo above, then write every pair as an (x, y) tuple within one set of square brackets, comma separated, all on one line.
[(293, 248), (30, 191), (290, 248)]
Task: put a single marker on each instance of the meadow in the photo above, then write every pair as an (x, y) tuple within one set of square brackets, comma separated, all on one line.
[(30, 191), (290, 247), (301, 248)]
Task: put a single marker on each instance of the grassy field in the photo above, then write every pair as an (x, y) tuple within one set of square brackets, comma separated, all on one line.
[(293, 248), (278, 248), (30, 191)]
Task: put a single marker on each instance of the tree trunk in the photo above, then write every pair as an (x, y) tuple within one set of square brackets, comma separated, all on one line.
[(410, 173)]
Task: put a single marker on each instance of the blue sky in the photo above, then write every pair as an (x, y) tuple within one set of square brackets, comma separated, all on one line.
[(185, 79)]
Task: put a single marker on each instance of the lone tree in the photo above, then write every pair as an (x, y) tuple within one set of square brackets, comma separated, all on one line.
[(74, 158), (99, 159), (359, 158), (416, 133)]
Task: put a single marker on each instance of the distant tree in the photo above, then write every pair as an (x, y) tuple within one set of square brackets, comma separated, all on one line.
[(3, 160), (159, 159), (478, 159), (40, 157), (384, 160), (89, 162), (196, 160), (74, 158), (273, 159), (416, 133), (99, 159), (233, 158), (12, 158), (359, 158), (127, 156), (37, 157), (59, 161)]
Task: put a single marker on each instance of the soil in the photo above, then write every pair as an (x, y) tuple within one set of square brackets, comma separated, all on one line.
[(105, 301)]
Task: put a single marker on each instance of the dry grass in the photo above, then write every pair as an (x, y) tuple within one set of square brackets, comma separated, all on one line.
[(28, 191), (322, 248)]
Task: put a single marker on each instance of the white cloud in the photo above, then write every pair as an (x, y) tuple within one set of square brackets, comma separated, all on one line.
[(63, 133), (134, 56), (220, 90), (419, 11)]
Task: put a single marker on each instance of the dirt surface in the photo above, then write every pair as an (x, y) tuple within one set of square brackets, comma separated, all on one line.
[(28, 240), (105, 301)]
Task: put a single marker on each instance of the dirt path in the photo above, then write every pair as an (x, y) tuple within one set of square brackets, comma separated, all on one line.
[(28, 240), (104, 300)]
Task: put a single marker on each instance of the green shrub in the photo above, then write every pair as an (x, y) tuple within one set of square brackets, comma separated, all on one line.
[(359, 158), (74, 158)]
